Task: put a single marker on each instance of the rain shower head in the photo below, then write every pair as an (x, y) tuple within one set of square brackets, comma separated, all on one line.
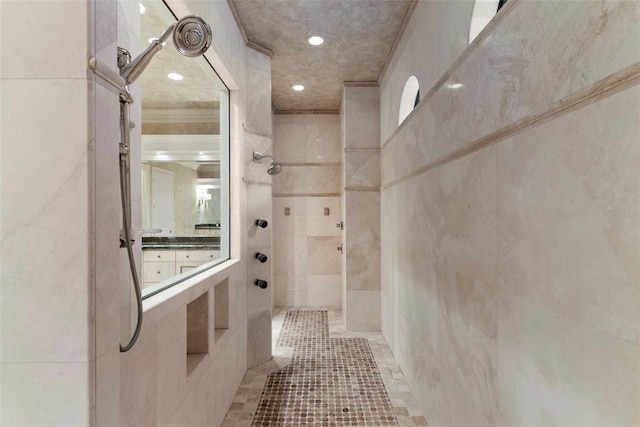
[(275, 167), (191, 37)]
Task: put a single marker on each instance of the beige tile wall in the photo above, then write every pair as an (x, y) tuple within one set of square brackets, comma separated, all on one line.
[(361, 207), (509, 218), (307, 263)]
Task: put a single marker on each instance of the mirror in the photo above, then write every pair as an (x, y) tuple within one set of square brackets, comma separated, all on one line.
[(185, 166)]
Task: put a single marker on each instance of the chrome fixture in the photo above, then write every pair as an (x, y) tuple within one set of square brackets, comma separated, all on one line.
[(191, 37), (274, 169)]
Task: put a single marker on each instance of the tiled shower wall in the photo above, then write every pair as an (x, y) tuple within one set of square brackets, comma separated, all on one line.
[(509, 214), (306, 209), (361, 207)]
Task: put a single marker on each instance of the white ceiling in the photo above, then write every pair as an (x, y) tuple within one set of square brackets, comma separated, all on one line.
[(359, 36)]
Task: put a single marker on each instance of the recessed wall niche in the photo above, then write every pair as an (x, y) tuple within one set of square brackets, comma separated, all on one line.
[(221, 310), (197, 331)]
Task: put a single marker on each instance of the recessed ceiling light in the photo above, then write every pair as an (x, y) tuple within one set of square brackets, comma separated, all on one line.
[(455, 86), (175, 76), (316, 41), (142, 8), (298, 88)]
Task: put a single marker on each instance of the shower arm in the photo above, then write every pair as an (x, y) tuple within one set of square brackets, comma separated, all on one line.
[(259, 156), (134, 69)]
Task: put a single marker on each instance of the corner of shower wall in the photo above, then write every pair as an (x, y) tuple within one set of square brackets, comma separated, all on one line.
[(361, 207), (258, 137)]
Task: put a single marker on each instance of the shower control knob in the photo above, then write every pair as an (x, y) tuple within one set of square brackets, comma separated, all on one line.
[(262, 284), (262, 223), (261, 257)]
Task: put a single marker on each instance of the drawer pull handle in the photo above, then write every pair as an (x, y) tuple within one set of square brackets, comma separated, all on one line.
[(158, 256), (158, 271), (187, 256)]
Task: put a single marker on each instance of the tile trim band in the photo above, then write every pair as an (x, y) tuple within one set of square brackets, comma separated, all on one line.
[(306, 194), (604, 88), (486, 31)]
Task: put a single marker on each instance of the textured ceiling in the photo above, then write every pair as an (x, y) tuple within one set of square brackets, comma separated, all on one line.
[(358, 38)]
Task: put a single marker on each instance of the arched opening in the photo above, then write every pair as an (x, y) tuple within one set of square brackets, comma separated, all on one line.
[(410, 98), (483, 12)]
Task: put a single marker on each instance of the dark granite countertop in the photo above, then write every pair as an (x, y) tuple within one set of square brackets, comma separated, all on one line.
[(192, 243)]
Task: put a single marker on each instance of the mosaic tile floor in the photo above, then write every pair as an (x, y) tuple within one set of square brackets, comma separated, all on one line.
[(323, 376)]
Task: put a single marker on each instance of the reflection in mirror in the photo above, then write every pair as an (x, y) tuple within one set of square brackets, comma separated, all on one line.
[(185, 167)]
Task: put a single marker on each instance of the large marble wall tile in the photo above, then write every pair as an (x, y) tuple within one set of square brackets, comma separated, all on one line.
[(306, 180), (453, 210), (171, 339), (457, 409), (45, 222), (196, 409), (569, 198), (259, 338), (363, 265), (107, 388), (323, 257), (362, 169), (290, 255), (469, 337), (575, 375), (258, 92), (361, 106), (323, 291), (307, 138), (62, 23), (291, 291), (43, 394), (362, 223), (362, 311), (139, 379), (421, 367)]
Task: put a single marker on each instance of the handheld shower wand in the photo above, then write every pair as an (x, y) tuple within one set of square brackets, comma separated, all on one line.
[(191, 37)]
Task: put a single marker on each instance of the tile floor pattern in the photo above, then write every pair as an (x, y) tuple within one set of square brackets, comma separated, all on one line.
[(324, 376)]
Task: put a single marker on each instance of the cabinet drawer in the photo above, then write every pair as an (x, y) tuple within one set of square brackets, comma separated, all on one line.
[(182, 266), (158, 271), (204, 256), (159, 255)]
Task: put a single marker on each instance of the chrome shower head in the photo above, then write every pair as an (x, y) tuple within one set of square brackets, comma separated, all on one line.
[(275, 168), (191, 37)]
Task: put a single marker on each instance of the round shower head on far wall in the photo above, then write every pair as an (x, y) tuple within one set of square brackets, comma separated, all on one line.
[(192, 36), (275, 168)]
